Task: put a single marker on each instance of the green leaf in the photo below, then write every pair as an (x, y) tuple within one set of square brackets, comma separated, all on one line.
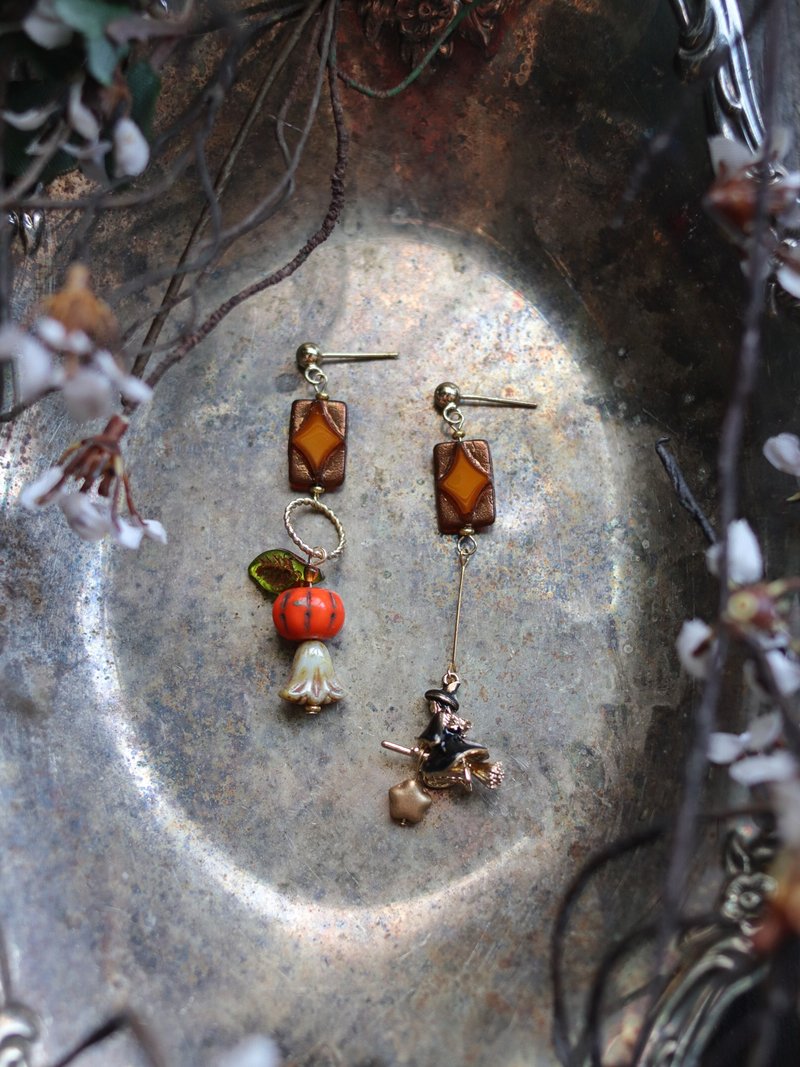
[(277, 570), (89, 17), (103, 57), (145, 85)]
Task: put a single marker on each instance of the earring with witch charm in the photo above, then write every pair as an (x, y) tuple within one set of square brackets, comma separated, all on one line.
[(317, 461), (465, 503)]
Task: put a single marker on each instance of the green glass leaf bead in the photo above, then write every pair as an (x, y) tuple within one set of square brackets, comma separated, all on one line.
[(276, 570)]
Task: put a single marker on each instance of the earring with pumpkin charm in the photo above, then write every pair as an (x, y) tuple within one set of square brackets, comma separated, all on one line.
[(302, 611)]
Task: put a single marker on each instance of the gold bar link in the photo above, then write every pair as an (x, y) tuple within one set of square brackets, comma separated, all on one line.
[(447, 396), (463, 559), (311, 355)]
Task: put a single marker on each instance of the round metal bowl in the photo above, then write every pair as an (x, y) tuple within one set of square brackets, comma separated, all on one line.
[(176, 839)]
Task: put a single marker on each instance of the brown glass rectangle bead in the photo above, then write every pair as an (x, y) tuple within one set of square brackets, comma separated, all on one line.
[(464, 485), (317, 444)]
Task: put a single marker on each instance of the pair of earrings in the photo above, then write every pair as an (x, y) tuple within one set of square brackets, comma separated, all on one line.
[(465, 503)]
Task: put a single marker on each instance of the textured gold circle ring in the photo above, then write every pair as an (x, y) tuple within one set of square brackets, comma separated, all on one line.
[(316, 554)]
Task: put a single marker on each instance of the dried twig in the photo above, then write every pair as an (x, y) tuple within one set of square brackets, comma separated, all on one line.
[(316, 239), (223, 178), (123, 1022), (685, 496)]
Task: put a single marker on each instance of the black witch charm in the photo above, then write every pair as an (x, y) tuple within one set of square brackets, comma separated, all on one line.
[(445, 757)]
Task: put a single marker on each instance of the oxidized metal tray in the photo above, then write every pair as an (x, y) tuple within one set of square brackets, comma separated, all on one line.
[(174, 838)]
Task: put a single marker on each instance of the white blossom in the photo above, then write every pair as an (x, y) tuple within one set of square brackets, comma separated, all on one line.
[(32, 493), (133, 389), (31, 119), (731, 158), (764, 731), (94, 152), (253, 1051), (93, 484), (725, 748), (131, 534), (730, 155), (788, 272), (126, 534), (90, 519), (783, 450), (52, 331), (694, 643), (785, 672), (55, 334), (78, 343), (81, 119), (88, 394), (131, 150), (777, 766), (155, 531), (34, 365), (745, 564), (45, 27), (759, 766)]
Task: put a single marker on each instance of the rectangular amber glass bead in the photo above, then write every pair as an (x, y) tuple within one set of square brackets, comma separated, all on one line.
[(317, 444), (464, 485)]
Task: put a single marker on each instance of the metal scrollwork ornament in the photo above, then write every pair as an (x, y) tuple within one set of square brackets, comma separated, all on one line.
[(720, 963)]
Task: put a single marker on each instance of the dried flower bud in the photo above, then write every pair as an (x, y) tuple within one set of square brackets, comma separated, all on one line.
[(77, 308)]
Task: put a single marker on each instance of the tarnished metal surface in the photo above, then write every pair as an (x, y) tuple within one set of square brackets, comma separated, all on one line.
[(174, 837)]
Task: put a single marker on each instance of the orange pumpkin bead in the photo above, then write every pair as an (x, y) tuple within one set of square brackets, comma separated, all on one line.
[(304, 613)]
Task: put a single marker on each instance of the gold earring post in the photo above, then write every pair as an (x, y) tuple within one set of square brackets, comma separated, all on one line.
[(498, 401), (448, 393), (357, 357), (309, 354)]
